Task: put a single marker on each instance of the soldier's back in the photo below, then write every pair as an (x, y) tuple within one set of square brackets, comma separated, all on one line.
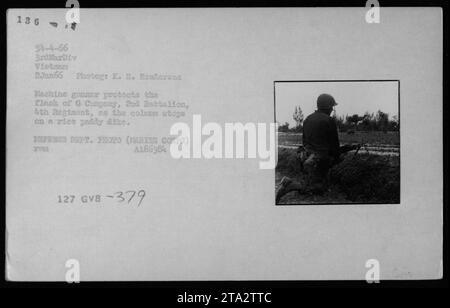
[(316, 131)]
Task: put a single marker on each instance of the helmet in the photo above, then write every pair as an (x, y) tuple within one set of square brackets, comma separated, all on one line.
[(325, 102)]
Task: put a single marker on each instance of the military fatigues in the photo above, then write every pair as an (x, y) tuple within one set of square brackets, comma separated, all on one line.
[(321, 142), (319, 152)]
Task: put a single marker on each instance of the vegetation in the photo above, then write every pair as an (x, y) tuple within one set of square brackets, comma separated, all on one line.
[(371, 176), (368, 122), (379, 121), (373, 138), (363, 178)]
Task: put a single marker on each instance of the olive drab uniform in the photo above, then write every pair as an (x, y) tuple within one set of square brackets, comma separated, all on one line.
[(321, 143), (320, 150)]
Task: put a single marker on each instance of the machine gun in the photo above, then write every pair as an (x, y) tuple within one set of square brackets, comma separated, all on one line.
[(301, 151), (349, 147), (359, 146), (302, 154)]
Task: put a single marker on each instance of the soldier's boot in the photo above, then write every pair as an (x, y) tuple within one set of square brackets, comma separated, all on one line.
[(283, 188)]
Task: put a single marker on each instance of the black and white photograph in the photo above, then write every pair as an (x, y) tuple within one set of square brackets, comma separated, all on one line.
[(342, 147)]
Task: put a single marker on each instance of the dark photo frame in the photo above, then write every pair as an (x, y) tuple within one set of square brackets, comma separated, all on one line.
[(369, 173)]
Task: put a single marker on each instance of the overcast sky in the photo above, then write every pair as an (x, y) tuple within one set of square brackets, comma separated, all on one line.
[(352, 97)]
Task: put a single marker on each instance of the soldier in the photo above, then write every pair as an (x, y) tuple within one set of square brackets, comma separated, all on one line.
[(322, 150)]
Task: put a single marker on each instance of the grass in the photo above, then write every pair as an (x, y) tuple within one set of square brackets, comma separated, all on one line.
[(364, 178), (373, 138)]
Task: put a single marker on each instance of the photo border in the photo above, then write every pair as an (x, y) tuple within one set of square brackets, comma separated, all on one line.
[(400, 142), (283, 290)]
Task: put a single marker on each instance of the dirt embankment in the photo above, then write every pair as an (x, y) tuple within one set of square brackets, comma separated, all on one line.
[(364, 178)]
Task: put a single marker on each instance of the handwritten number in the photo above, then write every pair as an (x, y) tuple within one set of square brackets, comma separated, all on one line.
[(141, 194), (119, 195), (133, 193)]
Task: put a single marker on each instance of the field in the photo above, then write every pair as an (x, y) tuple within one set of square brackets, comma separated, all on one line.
[(370, 176)]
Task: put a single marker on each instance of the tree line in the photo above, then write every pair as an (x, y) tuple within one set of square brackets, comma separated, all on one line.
[(379, 121)]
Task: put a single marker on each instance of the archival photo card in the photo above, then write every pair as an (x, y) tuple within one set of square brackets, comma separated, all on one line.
[(224, 144)]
